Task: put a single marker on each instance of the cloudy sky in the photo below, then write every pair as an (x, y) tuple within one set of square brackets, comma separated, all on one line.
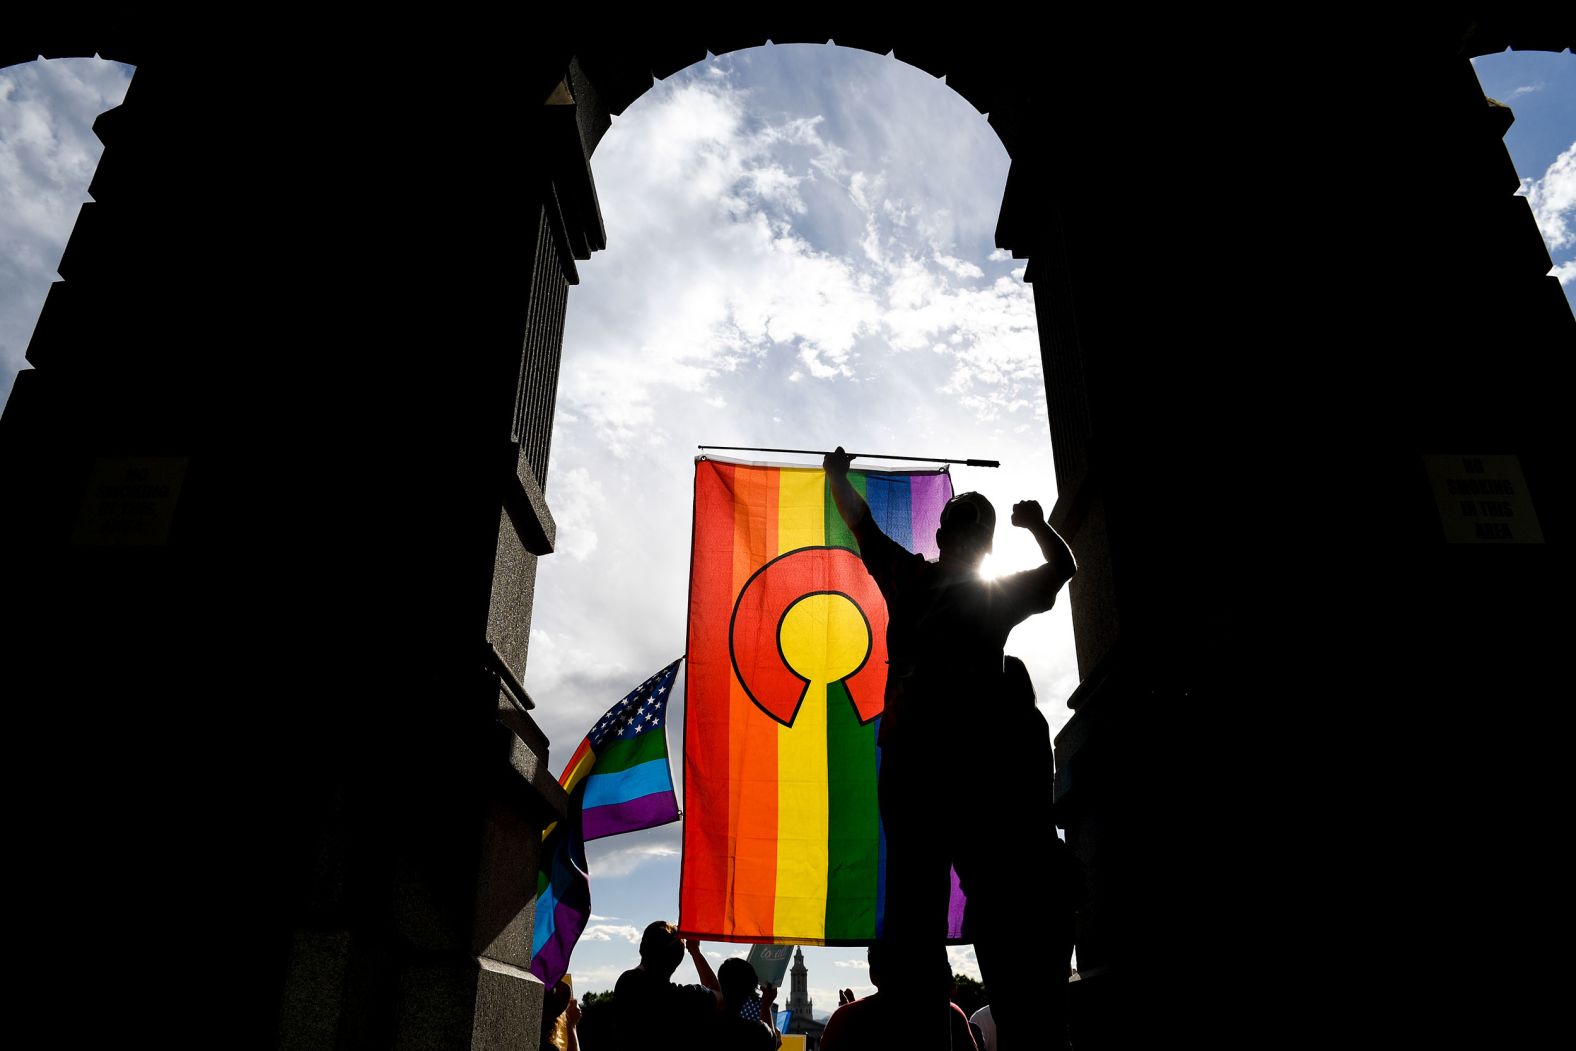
[(799, 255), (47, 155), (1540, 88)]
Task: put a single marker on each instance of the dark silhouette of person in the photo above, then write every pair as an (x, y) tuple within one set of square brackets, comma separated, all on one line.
[(874, 1020), (1024, 952), (746, 1022), (649, 1009), (963, 780)]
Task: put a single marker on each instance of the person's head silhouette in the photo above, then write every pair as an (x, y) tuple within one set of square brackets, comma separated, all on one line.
[(738, 981), (968, 527), (661, 949)]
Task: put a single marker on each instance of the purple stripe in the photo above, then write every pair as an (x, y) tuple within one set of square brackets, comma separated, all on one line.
[(659, 808), (928, 494), (552, 960), (955, 910)]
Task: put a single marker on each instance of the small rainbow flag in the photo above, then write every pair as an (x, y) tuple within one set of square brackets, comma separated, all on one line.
[(787, 670), (623, 763), (617, 781)]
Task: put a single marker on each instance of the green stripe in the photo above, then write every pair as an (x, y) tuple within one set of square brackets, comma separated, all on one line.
[(650, 745), (837, 532), (854, 822)]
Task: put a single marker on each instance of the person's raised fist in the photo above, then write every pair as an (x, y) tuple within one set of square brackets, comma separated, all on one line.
[(1027, 514), (836, 462)]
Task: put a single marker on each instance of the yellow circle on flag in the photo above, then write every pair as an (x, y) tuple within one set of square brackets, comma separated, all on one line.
[(824, 637)]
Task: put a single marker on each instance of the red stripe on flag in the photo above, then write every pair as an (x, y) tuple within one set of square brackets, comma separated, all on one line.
[(567, 779), (706, 886)]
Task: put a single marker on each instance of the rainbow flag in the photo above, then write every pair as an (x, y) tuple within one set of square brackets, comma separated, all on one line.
[(623, 763), (618, 781), (563, 897), (787, 670)]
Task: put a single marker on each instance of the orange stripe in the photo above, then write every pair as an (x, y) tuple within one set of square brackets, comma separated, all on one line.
[(753, 734)]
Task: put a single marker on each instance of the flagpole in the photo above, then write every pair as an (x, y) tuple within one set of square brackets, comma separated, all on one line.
[(868, 456)]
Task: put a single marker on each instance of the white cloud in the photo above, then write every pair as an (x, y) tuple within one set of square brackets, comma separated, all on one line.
[(605, 932), (858, 185), (963, 962), (1553, 200), (824, 364), (1566, 272), (717, 281), (623, 861), (961, 267), (47, 156), (594, 979), (774, 185), (735, 281), (1525, 89), (577, 502)]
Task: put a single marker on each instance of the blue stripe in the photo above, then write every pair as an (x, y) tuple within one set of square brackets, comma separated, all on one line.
[(890, 505), (545, 907), (643, 780), (563, 860), (559, 877)]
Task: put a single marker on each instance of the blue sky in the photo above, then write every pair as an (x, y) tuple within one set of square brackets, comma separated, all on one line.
[(799, 254), (1540, 88)]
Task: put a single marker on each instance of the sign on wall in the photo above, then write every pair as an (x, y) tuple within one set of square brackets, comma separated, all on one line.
[(1483, 500), (130, 500)]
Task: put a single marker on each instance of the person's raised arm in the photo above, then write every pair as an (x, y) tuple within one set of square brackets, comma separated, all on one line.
[(708, 977), (769, 1012), (572, 1012), (1027, 514), (849, 503)]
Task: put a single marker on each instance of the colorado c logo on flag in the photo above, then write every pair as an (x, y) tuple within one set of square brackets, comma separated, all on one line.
[(813, 616)]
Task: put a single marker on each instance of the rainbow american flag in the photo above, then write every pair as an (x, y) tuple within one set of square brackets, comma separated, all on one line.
[(617, 781), (623, 763), (787, 670)]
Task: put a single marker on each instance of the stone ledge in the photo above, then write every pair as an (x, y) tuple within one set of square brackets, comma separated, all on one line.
[(528, 506), (540, 794)]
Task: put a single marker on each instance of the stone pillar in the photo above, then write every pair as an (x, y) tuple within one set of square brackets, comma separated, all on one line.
[(320, 790)]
